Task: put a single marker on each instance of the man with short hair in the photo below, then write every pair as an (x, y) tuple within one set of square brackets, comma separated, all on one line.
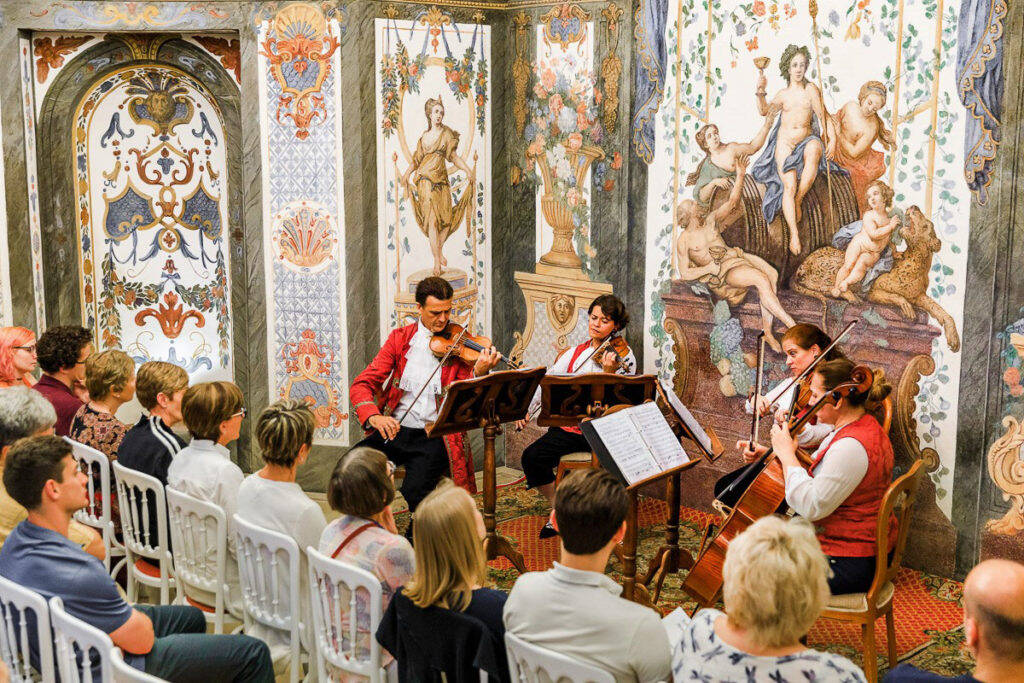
[(993, 627), (25, 413), (573, 608), (169, 642), (395, 423), (61, 352)]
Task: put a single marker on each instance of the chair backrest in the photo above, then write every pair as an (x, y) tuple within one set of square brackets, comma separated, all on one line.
[(74, 643), (526, 663), (347, 606), (199, 531), (899, 502), (96, 464), (125, 673), (268, 574), (142, 535), (884, 414), (19, 634)]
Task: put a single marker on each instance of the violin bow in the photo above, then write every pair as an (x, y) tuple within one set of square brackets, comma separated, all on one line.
[(810, 368), (755, 423), (427, 383)]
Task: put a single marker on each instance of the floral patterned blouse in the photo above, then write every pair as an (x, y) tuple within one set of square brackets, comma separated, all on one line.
[(103, 432)]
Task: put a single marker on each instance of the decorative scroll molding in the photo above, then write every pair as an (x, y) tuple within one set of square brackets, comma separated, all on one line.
[(904, 423), (50, 52), (1007, 471), (611, 68), (676, 331), (520, 71), (566, 24)]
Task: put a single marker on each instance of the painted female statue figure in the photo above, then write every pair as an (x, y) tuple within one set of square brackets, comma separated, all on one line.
[(718, 166), (858, 127), (430, 189)]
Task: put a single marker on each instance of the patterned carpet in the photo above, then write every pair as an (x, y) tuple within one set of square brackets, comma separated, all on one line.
[(927, 608)]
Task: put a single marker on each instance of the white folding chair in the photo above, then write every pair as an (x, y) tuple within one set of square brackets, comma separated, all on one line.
[(145, 539), (125, 673), (74, 642), (96, 464), (340, 594), (16, 634), (268, 574), (199, 530), (526, 663)]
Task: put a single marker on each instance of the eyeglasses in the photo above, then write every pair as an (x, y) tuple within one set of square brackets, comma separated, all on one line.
[(31, 348), (243, 412)]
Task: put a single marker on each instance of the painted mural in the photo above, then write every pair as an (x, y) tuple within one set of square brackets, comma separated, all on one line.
[(151, 182), (6, 314), (34, 225), (434, 163), (791, 185), (303, 208)]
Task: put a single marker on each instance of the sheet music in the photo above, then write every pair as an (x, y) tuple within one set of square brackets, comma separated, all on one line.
[(688, 419), (657, 435), (619, 434)]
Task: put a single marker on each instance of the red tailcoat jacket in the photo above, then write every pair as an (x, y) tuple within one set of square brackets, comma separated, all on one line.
[(369, 399)]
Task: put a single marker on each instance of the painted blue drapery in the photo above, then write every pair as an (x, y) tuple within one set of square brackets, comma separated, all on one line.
[(649, 86), (979, 79)]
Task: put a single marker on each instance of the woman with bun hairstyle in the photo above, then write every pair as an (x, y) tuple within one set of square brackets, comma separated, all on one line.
[(842, 490)]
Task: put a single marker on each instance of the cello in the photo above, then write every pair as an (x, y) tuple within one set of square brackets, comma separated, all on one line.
[(763, 496)]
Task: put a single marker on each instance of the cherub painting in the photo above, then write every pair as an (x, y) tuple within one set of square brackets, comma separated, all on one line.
[(867, 245)]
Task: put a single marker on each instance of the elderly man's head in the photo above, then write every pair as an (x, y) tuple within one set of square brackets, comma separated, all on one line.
[(23, 412), (994, 611)]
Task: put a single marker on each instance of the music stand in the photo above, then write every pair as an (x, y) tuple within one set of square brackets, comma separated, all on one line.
[(568, 399), (487, 402), (670, 557)]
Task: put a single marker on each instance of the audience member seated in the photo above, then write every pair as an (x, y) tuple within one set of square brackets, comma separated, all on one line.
[(362, 489), (993, 627), (213, 413), (25, 413), (775, 583), (110, 381), (169, 642), (271, 499), (443, 619), (150, 445), (573, 608), (17, 357), (62, 352)]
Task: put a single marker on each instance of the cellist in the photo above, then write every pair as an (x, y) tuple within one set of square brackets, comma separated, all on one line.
[(851, 470), (607, 316)]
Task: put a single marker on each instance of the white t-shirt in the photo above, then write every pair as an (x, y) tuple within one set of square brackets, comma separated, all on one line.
[(204, 470), (282, 506)]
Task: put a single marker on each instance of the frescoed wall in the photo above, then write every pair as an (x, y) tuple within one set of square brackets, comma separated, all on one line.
[(303, 211), (723, 267), (6, 314), (433, 163)]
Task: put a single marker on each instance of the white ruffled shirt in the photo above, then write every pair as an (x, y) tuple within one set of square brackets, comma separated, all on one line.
[(420, 363)]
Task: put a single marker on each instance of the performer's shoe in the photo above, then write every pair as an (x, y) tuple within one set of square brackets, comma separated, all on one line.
[(547, 531)]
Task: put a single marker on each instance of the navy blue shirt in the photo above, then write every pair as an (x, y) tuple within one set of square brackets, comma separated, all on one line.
[(487, 605), (51, 565), (904, 673)]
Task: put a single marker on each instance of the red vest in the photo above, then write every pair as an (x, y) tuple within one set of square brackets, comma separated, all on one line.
[(850, 530)]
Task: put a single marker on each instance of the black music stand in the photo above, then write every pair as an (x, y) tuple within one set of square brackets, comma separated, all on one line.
[(670, 557), (487, 402)]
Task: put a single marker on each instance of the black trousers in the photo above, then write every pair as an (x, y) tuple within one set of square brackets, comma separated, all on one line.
[(425, 460), (851, 574), (541, 457)]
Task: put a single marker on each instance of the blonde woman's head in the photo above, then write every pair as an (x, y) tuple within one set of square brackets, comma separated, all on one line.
[(110, 372), (775, 580), (450, 560)]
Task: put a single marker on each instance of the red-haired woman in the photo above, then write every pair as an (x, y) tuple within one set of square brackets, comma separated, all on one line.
[(17, 356)]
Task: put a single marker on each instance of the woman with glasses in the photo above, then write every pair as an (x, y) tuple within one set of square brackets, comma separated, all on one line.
[(213, 413), (17, 356)]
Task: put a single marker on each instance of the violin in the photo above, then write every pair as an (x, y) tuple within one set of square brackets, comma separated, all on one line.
[(455, 340), (764, 494)]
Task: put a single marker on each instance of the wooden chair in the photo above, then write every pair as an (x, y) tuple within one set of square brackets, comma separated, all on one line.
[(865, 608), (529, 663), (575, 461)]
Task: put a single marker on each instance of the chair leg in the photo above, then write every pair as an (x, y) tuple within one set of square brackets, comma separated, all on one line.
[(870, 655), (890, 633)]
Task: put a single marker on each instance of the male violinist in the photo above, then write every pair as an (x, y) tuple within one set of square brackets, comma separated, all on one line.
[(395, 421)]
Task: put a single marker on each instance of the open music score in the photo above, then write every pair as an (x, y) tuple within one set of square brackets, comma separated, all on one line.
[(711, 450), (635, 444)]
